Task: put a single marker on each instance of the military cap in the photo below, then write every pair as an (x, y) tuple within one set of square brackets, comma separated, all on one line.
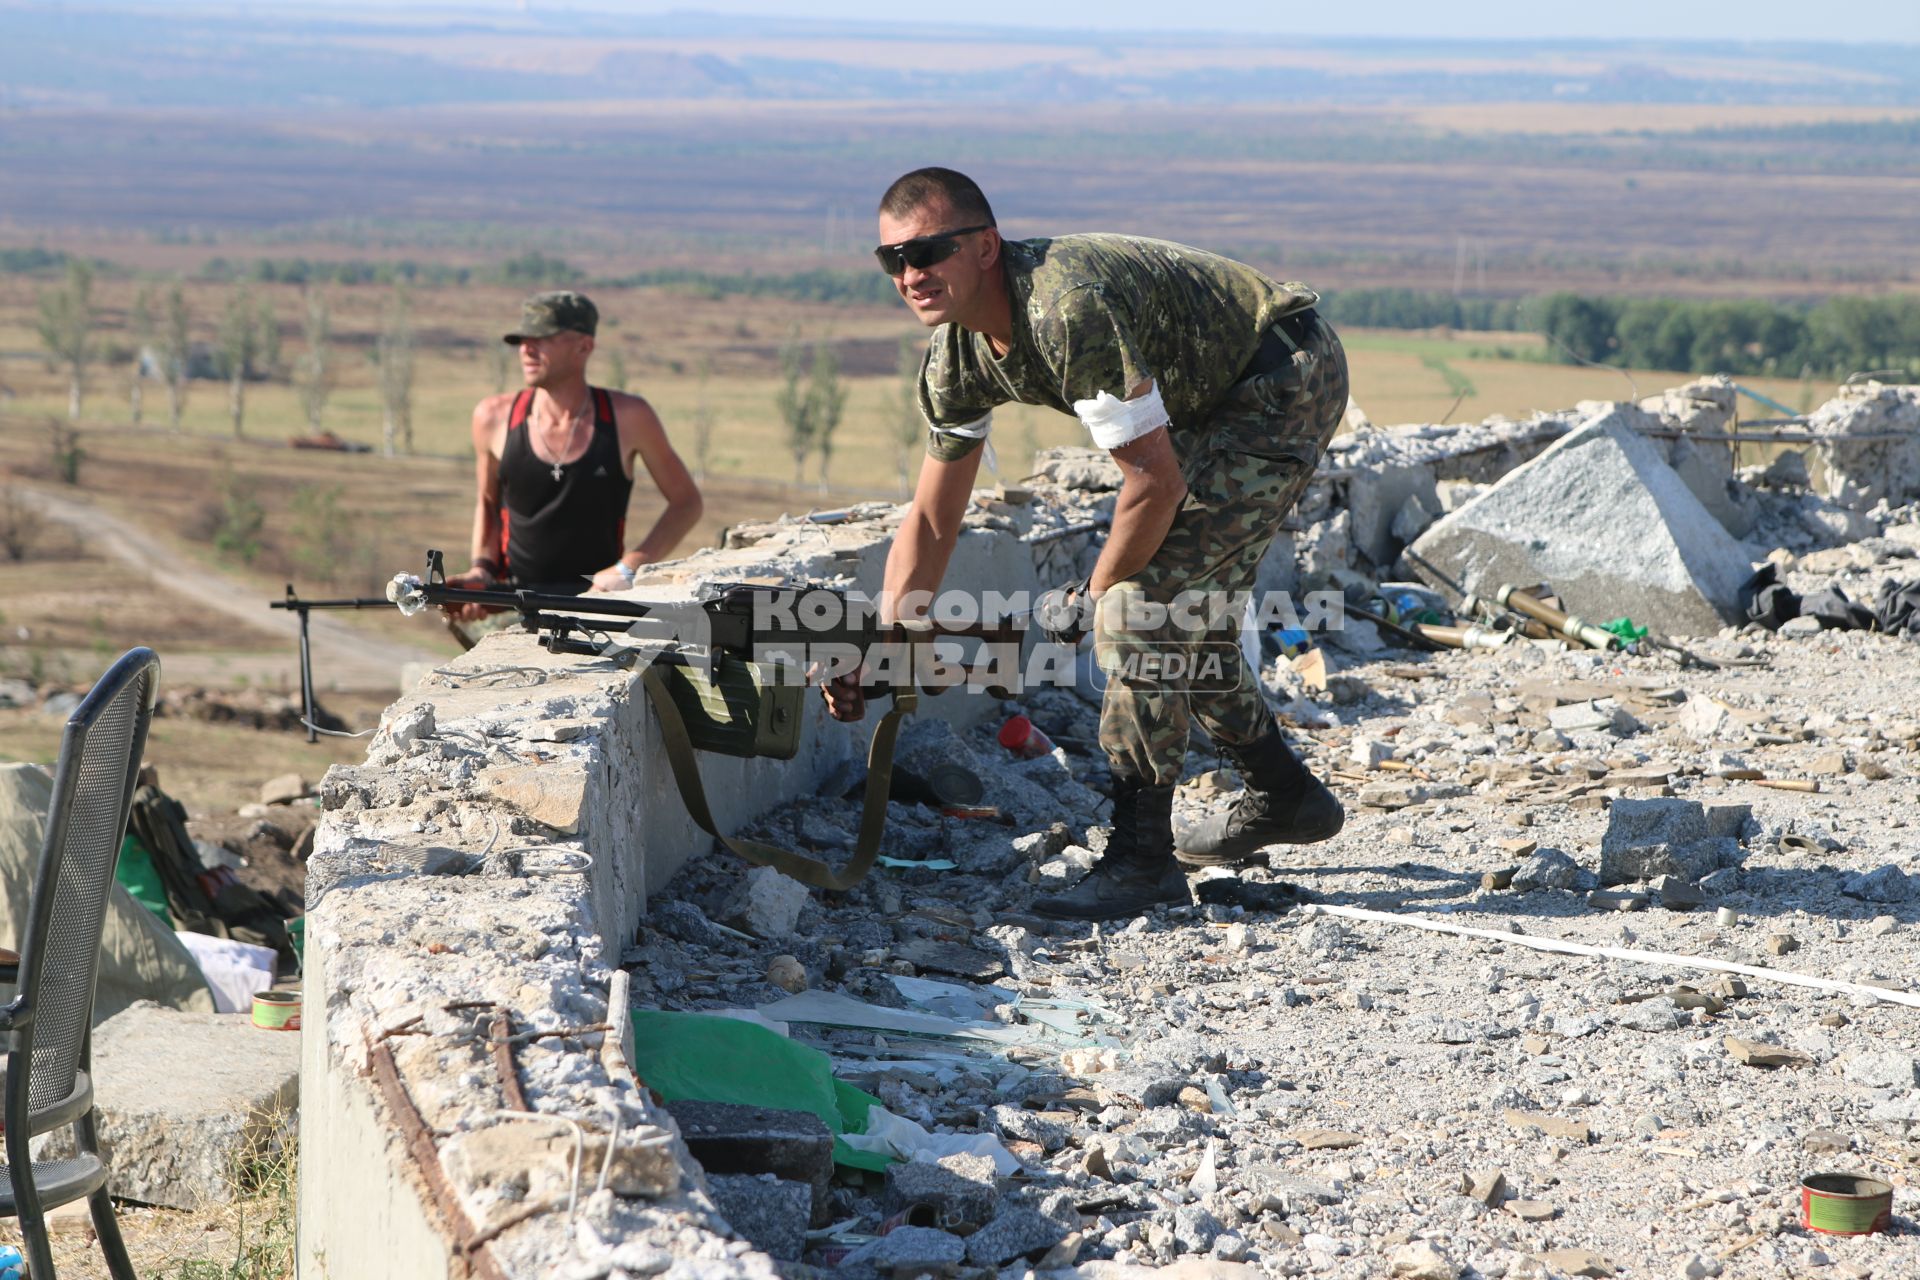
[(545, 314)]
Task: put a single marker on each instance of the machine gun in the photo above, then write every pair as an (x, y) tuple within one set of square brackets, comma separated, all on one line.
[(727, 673)]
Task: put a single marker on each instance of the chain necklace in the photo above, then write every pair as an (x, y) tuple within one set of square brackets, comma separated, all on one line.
[(583, 414)]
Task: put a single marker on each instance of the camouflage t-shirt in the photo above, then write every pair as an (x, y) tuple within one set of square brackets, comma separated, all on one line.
[(1103, 314)]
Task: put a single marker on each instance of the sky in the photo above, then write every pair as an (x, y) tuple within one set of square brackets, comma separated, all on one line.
[(1893, 21)]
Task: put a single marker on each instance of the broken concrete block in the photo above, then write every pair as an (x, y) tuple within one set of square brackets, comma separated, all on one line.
[(551, 795), (1666, 837), (1375, 497), (910, 1250), (1883, 1070), (1709, 477), (1728, 821), (1016, 1233), (682, 921), (1601, 716), (1882, 884), (1694, 861), (188, 1103), (768, 905), (1677, 894), (1603, 518), (1547, 869), (397, 735), (1858, 473), (1414, 518), (769, 1213), (1703, 719), (959, 1189), (730, 1137)]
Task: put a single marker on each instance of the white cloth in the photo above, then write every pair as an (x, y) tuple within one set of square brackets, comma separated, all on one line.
[(235, 970), (978, 429), (1115, 422), (891, 1135)]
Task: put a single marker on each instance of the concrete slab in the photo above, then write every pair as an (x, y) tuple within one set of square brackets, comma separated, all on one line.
[(730, 1138), (1609, 524), (191, 1103), (768, 1212)]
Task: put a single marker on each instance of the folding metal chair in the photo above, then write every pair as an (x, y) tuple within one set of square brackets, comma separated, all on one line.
[(48, 1023)]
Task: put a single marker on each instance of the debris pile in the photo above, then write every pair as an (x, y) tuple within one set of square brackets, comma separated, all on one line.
[(1304, 1094), (1615, 948)]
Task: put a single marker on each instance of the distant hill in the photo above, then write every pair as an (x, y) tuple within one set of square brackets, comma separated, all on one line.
[(261, 57)]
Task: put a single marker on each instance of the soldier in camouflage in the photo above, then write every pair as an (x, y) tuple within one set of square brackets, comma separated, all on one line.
[(1215, 390)]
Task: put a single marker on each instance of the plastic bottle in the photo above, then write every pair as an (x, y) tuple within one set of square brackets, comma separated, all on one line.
[(1020, 736)]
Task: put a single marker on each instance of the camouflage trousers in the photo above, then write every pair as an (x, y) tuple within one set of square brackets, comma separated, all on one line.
[(1245, 468)]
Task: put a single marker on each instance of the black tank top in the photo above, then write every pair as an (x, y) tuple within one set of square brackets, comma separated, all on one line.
[(556, 532)]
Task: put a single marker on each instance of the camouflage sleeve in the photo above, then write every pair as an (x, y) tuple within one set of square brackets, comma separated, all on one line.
[(1090, 346), (956, 403)]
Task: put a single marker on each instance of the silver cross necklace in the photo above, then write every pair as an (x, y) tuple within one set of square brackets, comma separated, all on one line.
[(573, 425)]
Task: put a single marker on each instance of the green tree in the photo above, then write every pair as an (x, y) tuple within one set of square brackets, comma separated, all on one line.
[(140, 330), (176, 352), (795, 405), (321, 533), (394, 355), (66, 329), (1580, 326), (314, 376), (239, 522), (249, 347), (827, 401)]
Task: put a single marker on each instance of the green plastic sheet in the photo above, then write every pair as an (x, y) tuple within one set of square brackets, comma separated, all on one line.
[(1624, 628), (137, 876), (698, 1056)]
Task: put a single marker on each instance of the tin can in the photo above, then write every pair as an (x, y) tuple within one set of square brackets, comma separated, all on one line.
[(1845, 1204), (276, 1010)]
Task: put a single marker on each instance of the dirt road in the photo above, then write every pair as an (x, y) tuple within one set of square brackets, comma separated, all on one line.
[(343, 658)]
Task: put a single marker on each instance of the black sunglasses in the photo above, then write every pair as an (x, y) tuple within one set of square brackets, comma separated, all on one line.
[(922, 252)]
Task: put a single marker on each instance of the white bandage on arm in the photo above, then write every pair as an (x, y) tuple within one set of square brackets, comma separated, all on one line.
[(1115, 422), (978, 429)]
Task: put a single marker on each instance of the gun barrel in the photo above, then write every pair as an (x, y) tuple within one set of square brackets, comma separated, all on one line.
[(1573, 628)]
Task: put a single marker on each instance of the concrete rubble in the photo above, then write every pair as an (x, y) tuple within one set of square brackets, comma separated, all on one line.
[(1602, 517), (1224, 1091), (191, 1106)]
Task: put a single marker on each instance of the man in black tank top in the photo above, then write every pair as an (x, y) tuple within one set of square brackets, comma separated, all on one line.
[(554, 469)]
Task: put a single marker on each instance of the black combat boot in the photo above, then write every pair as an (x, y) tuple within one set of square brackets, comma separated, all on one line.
[(1137, 872), (1280, 803)]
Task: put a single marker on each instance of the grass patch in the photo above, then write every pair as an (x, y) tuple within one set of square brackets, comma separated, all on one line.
[(259, 1229)]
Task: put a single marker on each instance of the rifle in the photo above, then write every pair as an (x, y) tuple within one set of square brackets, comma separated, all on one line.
[(727, 673)]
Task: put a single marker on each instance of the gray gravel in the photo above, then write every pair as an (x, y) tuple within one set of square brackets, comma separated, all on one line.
[(1306, 1095)]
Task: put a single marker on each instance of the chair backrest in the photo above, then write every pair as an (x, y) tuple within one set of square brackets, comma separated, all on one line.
[(60, 952)]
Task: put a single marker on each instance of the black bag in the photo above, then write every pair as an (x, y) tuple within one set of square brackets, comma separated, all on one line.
[(1836, 611), (202, 901), (1767, 600), (1897, 609)]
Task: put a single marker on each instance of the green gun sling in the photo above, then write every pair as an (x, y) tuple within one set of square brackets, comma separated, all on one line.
[(809, 871)]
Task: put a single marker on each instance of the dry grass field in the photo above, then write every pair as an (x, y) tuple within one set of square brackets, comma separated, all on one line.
[(665, 338)]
